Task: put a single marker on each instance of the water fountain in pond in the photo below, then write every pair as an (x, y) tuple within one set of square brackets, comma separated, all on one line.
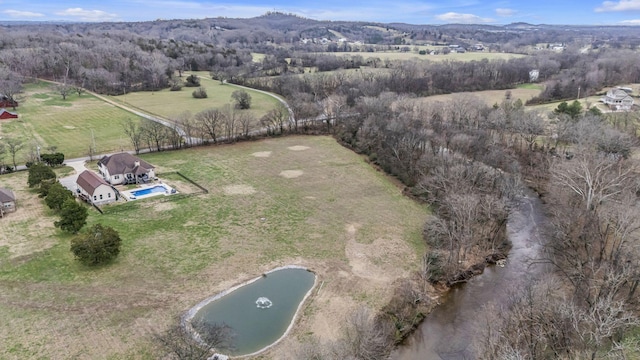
[(263, 303), (249, 308)]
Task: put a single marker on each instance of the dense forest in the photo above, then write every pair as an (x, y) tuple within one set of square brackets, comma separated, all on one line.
[(467, 160)]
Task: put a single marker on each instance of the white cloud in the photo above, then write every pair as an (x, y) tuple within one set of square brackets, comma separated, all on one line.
[(88, 15), (453, 17), (505, 12), (22, 14), (622, 5), (630, 22)]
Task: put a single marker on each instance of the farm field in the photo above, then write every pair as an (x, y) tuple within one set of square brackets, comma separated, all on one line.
[(296, 200), (47, 120), (170, 104)]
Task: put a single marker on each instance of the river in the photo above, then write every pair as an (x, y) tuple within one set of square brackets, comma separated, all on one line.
[(448, 331)]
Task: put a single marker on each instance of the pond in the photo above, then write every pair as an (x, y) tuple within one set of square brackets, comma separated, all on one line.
[(260, 311)]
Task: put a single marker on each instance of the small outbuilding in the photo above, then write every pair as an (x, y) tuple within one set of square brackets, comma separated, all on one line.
[(4, 114), (94, 189), (7, 201)]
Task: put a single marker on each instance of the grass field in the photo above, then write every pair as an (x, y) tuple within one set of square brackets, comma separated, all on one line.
[(47, 120), (170, 104), (293, 200), (396, 55), (490, 97)]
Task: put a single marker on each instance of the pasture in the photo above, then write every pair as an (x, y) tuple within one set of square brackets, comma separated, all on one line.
[(170, 104), (72, 125), (296, 200)]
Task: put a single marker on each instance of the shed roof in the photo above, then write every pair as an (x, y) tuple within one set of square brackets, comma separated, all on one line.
[(90, 181), (6, 195)]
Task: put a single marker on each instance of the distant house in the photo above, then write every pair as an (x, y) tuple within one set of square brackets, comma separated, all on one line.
[(7, 201), (93, 188), (4, 114), (618, 99), (6, 102), (124, 168)]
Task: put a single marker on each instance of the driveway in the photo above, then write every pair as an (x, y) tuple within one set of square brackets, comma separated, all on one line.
[(69, 182)]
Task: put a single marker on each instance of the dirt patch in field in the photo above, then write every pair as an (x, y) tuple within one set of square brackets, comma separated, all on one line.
[(262, 154), (164, 206), (69, 127), (290, 174), (239, 190), (377, 261), (298, 148)]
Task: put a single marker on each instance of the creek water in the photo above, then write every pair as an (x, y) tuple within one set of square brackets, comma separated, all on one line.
[(260, 312), (448, 332)]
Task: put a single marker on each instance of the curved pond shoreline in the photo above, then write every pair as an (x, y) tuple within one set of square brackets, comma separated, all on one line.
[(189, 315)]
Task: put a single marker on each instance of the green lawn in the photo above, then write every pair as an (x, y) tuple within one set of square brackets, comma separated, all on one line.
[(170, 104), (72, 125), (293, 200)]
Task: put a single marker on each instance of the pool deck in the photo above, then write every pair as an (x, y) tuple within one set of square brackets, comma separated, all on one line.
[(129, 194)]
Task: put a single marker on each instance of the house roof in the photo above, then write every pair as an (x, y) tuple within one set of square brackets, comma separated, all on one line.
[(125, 163), (7, 114), (90, 181), (617, 94), (6, 195)]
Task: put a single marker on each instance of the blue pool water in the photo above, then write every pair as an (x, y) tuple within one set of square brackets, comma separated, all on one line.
[(147, 191)]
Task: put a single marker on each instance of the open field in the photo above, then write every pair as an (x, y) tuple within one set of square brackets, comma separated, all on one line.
[(46, 119), (170, 104), (396, 55), (490, 97), (294, 200)]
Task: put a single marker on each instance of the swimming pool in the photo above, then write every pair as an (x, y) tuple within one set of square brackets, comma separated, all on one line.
[(147, 191), (152, 190)]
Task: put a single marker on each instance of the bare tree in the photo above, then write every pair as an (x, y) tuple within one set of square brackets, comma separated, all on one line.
[(211, 121), (594, 177), (135, 133), (13, 146), (275, 120), (195, 341), (154, 133), (245, 121)]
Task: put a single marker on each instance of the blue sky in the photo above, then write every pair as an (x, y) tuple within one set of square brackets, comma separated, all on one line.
[(590, 12)]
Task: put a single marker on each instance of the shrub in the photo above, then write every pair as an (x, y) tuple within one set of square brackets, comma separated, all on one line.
[(192, 81), (73, 216), (99, 245), (242, 99), (39, 172), (56, 195), (200, 93)]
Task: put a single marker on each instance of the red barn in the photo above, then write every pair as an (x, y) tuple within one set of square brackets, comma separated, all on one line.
[(4, 114)]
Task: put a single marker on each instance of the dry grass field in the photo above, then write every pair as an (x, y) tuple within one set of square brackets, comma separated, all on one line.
[(397, 55), (490, 97), (296, 200)]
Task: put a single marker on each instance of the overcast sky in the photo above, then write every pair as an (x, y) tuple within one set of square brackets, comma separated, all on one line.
[(590, 12)]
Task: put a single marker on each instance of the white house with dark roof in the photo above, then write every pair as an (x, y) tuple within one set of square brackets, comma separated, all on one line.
[(124, 168), (94, 189), (7, 201), (618, 99)]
